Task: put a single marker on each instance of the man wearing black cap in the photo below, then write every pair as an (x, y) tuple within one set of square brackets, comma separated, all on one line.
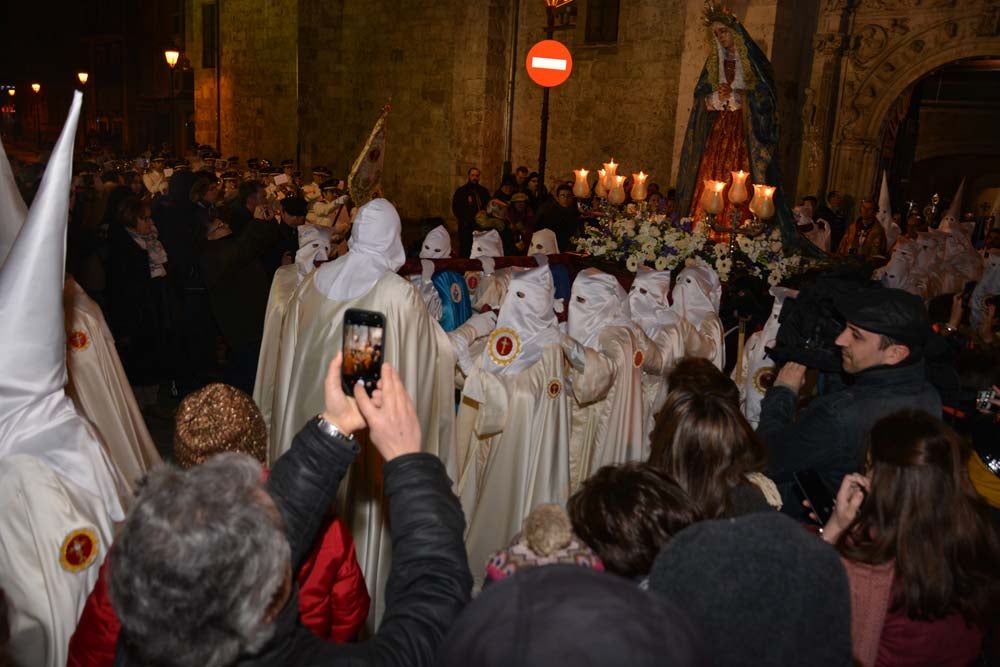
[(882, 353)]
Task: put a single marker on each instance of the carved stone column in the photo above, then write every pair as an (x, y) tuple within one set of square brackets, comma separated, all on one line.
[(822, 97)]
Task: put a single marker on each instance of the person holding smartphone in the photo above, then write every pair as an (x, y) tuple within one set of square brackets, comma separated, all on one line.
[(411, 340), (242, 608)]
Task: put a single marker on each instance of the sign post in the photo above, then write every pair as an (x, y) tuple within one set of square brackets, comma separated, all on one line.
[(549, 64)]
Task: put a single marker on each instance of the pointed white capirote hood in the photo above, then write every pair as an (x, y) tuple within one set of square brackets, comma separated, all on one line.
[(36, 416), (12, 208), (954, 213)]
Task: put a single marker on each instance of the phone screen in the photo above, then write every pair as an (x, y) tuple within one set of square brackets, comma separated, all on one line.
[(816, 492), (364, 332)]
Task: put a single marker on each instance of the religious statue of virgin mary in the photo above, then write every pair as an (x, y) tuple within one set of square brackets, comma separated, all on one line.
[(733, 124)]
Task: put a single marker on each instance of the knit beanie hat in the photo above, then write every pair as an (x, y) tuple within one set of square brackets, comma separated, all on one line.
[(218, 418), (570, 616), (547, 539), (762, 590)]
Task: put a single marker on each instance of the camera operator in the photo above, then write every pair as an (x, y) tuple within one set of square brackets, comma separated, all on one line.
[(882, 352), (201, 573)]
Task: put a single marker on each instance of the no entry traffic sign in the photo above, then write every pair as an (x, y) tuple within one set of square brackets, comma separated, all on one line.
[(549, 63)]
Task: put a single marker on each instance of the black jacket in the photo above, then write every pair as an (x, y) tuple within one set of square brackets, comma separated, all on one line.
[(429, 583), (468, 200), (830, 434), (237, 281)]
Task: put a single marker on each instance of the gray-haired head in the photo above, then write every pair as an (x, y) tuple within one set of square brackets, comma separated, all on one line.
[(198, 565)]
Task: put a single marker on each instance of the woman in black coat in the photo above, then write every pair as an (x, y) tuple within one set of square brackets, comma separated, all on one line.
[(141, 310)]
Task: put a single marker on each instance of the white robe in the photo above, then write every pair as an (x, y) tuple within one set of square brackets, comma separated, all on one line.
[(757, 368), (608, 425), (417, 347), (286, 279), (99, 388), (43, 513), (518, 453), (669, 340)]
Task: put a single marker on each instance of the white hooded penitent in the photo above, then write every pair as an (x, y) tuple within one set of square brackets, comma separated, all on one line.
[(375, 249), (649, 300), (314, 248), (437, 244), (597, 301), (36, 416), (526, 323)]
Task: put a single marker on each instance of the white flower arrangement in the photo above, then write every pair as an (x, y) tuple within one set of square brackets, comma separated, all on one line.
[(634, 237)]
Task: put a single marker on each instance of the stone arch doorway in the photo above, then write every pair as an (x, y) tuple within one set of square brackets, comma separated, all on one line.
[(942, 130), (866, 56)]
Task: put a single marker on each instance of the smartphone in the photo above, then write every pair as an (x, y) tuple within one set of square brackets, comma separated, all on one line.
[(281, 179), (364, 335), (816, 492)]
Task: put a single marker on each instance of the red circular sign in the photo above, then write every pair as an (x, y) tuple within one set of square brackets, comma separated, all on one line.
[(549, 63)]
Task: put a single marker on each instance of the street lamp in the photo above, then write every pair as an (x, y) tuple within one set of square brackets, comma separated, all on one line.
[(171, 55), (83, 76), (37, 87)]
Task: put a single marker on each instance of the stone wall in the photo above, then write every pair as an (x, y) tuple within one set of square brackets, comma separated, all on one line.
[(620, 100), (839, 66), (442, 66), (865, 56), (258, 58)]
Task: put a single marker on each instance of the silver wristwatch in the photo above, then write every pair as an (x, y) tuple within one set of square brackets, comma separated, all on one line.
[(331, 429)]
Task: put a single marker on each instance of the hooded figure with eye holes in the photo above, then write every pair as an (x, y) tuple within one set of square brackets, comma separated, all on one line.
[(314, 249), (513, 426), (901, 271), (608, 354), (445, 292), (696, 297), (649, 301)]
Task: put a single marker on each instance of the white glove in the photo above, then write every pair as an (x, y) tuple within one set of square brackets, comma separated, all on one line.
[(462, 356), (431, 299), (426, 270), (574, 352), (483, 323)]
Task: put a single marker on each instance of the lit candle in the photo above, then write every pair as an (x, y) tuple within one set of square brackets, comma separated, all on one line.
[(762, 204), (610, 171), (711, 197), (617, 194), (581, 188), (738, 193), (639, 186), (600, 189)]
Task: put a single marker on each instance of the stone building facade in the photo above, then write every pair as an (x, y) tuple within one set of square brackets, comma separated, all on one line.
[(308, 78)]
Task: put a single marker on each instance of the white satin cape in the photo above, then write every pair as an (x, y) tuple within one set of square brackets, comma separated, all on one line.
[(518, 442), (283, 285), (99, 388), (608, 425), (41, 511)]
